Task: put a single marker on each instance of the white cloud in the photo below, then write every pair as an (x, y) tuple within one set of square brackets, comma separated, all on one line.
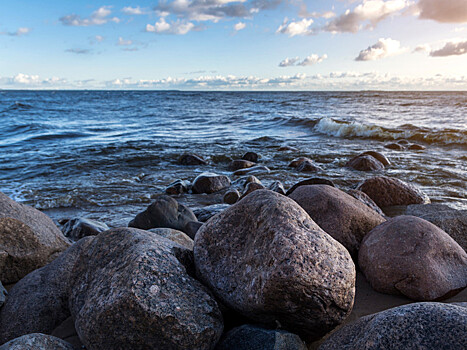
[(19, 32), (22, 80), (302, 27), (123, 42), (239, 26), (288, 62), (99, 38), (128, 10), (98, 17), (422, 48), (452, 48), (163, 27), (445, 11), (383, 48), (308, 61), (305, 14)]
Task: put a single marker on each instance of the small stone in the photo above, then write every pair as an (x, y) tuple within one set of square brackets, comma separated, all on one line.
[(191, 159), (381, 157), (178, 187), (287, 149), (365, 163), (251, 156), (403, 142), (308, 167), (210, 183), (240, 164), (297, 161), (415, 147), (258, 169), (78, 228), (278, 187), (37, 341), (395, 146), (232, 197), (311, 181), (252, 186)]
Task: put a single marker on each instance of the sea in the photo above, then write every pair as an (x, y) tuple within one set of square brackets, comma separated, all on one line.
[(106, 155)]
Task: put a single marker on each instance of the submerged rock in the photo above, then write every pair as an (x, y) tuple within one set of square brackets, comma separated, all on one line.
[(411, 256), (415, 147), (308, 167), (297, 275), (210, 183), (241, 164), (37, 341), (232, 197), (365, 163), (78, 228), (251, 157), (379, 156), (178, 187), (297, 161), (395, 146), (191, 159)]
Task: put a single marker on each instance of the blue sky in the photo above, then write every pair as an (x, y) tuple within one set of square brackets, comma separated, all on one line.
[(234, 45)]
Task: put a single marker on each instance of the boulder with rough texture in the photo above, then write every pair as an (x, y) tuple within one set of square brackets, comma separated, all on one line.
[(386, 191), (251, 157), (28, 240), (379, 156), (232, 197), (205, 213), (3, 294), (210, 183), (266, 259), (278, 187), (365, 163), (411, 256), (178, 187), (257, 169), (427, 326), (175, 236), (345, 218), (240, 164), (37, 341), (163, 212), (78, 228), (363, 197), (248, 337), (191, 159), (312, 181)]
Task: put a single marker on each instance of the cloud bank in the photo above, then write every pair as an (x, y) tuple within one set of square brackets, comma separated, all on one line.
[(98, 17), (453, 48), (308, 61)]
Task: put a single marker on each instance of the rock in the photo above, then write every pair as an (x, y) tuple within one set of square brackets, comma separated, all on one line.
[(175, 236), (287, 148), (3, 294), (297, 275), (365, 163), (163, 212), (308, 167), (386, 191), (205, 213), (251, 156), (210, 183), (66, 331), (251, 179), (278, 187), (240, 164), (37, 341), (258, 169), (28, 240), (297, 161), (427, 326), (363, 197), (451, 221), (379, 156), (403, 142), (312, 181), (78, 228), (249, 337), (231, 197), (191, 228), (395, 146), (252, 186), (178, 187), (415, 147), (340, 215), (191, 159), (411, 256)]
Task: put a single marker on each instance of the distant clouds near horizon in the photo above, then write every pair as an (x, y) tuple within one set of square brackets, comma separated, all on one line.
[(249, 44)]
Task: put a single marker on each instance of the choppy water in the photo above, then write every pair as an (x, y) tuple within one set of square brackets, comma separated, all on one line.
[(103, 154)]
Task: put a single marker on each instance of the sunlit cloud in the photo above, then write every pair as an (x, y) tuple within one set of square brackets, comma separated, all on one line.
[(452, 48), (99, 38), (178, 27), (239, 26), (302, 27), (98, 17), (308, 61), (288, 62), (383, 48), (303, 12), (444, 11), (128, 10), (19, 32), (31, 80)]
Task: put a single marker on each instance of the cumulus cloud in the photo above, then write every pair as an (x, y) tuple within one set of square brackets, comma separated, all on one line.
[(98, 17), (162, 27), (305, 14), (79, 51), (452, 48), (444, 11), (31, 81), (369, 12), (239, 26), (302, 27), (308, 61), (288, 62), (383, 48), (19, 32), (128, 10)]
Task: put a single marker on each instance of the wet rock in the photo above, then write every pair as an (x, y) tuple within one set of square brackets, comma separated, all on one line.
[(345, 218), (386, 191), (210, 183), (249, 337), (28, 240), (297, 161), (312, 181), (363, 197), (287, 149), (37, 341), (365, 163), (192, 228), (379, 156), (258, 169), (395, 146), (297, 275), (178, 187), (251, 179), (411, 256), (251, 157), (252, 186), (415, 147), (3, 294), (78, 228), (163, 212), (278, 187), (191, 159), (240, 164), (403, 142), (428, 326), (205, 213), (308, 167), (175, 236), (231, 197)]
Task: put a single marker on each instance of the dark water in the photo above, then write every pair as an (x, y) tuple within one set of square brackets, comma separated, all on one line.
[(105, 154)]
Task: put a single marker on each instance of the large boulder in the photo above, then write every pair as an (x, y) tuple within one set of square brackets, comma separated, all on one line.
[(248, 337), (411, 256), (175, 236), (78, 228), (265, 258), (386, 191), (342, 216), (311, 181), (427, 326), (28, 240), (37, 341), (210, 183), (163, 212)]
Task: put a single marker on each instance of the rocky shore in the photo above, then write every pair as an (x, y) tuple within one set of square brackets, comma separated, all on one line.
[(312, 266)]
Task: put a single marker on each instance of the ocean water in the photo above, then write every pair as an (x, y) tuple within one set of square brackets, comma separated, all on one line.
[(106, 154)]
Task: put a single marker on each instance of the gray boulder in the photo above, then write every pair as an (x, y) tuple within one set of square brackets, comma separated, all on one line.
[(178, 187), (78, 228), (37, 341), (175, 236), (210, 183), (231, 197), (205, 213)]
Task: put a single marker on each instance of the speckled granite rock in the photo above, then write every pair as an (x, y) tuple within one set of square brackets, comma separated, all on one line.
[(427, 326), (295, 273), (37, 341), (191, 159), (278, 187), (363, 197), (3, 295), (345, 218), (240, 164), (205, 213), (175, 236), (386, 191), (410, 256), (312, 181), (191, 228), (379, 156), (131, 290), (210, 183), (249, 337), (28, 240), (365, 163), (163, 212), (78, 228)]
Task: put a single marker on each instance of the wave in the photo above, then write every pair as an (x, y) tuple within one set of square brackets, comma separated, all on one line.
[(18, 106)]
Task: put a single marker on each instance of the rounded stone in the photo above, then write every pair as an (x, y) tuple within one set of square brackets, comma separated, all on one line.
[(365, 163), (379, 156), (210, 183), (240, 164), (191, 159), (37, 341), (251, 156), (78, 228), (231, 197)]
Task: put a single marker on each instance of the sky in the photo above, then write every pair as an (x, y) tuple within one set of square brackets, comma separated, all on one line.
[(234, 44)]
